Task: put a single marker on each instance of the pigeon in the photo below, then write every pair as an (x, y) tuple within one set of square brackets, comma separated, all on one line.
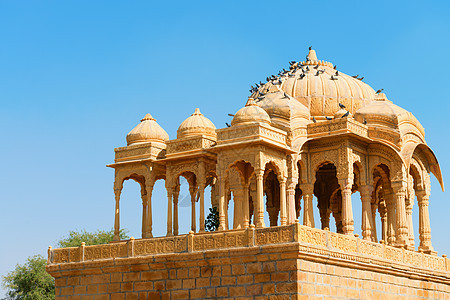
[(292, 62), (228, 125), (310, 47), (301, 76), (316, 67), (337, 73), (333, 78), (335, 67), (365, 122), (356, 76), (360, 78), (307, 69), (328, 118), (379, 91), (341, 105), (346, 114), (231, 115), (314, 120), (285, 95)]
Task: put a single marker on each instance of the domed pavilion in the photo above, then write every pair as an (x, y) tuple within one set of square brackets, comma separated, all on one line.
[(309, 131)]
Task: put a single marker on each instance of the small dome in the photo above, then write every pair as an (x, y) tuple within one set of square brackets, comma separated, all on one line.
[(281, 105), (383, 112), (380, 108), (250, 113), (147, 131), (195, 125)]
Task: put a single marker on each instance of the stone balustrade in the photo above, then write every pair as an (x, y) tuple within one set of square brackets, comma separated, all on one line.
[(310, 240)]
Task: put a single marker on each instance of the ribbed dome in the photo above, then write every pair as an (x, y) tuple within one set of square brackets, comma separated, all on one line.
[(281, 105), (250, 113), (195, 125), (317, 85), (147, 131)]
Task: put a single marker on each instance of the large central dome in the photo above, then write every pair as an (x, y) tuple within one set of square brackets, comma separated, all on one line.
[(320, 87)]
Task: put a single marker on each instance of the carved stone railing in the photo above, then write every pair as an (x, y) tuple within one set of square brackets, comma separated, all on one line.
[(336, 126), (189, 144), (150, 150), (251, 131), (310, 240)]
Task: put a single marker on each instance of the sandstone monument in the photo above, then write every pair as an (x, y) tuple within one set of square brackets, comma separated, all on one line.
[(310, 131)]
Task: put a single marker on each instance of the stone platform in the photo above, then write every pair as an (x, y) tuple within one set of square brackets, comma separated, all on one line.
[(284, 262)]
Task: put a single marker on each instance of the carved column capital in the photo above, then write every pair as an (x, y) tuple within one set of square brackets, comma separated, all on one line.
[(259, 173), (307, 188), (291, 183)]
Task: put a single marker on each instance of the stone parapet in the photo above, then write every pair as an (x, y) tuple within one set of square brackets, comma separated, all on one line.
[(309, 240), (335, 127)]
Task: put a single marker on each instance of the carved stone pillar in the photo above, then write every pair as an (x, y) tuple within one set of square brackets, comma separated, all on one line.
[(237, 216), (175, 210), (201, 190), (374, 207), (169, 210), (259, 214), (308, 214), (245, 206), (283, 213), (149, 223), (227, 210), (390, 217), (290, 201), (424, 222), (383, 216), (402, 237), (192, 191), (409, 220), (117, 192), (367, 218), (347, 212), (144, 212), (222, 203)]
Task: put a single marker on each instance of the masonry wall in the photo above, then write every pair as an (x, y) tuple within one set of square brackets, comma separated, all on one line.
[(281, 271)]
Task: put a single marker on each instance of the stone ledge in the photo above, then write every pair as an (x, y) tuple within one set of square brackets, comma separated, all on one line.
[(309, 240)]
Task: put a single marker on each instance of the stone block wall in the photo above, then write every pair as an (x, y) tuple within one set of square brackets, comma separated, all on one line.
[(279, 271)]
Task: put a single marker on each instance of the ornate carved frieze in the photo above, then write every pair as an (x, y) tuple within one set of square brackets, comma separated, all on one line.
[(149, 150), (160, 245), (336, 126)]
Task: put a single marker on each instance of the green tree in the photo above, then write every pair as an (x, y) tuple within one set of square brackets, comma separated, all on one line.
[(30, 281), (75, 238), (212, 220)]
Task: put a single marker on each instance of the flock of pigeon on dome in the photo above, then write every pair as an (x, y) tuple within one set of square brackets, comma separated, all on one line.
[(299, 70)]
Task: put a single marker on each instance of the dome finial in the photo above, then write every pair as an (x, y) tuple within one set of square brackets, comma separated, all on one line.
[(250, 102), (312, 54), (197, 112), (148, 117)]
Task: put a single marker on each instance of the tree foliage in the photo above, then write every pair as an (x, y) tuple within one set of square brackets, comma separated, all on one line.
[(75, 238), (212, 220), (30, 281)]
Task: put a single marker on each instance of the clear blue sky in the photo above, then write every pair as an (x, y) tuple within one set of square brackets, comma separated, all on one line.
[(77, 76)]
